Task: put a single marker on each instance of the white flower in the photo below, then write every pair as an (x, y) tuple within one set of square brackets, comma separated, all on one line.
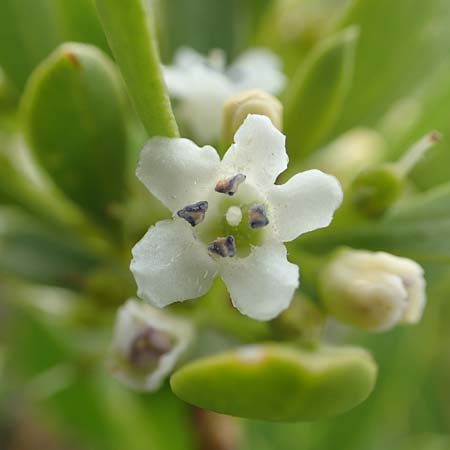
[(179, 259), (373, 290), (147, 344), (202, 85)]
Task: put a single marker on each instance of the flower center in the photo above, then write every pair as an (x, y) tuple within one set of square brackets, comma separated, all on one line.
[(231, 222)]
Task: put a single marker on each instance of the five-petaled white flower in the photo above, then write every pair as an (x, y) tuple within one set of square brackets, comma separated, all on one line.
[(147, 344), (203, 84), (229, 219)]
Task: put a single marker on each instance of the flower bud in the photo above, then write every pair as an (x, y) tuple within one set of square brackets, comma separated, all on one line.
[(147, 344), (374, 190), (238, 107), (373, 290)]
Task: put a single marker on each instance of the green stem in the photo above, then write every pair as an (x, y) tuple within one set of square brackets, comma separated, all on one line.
[(131, 34)]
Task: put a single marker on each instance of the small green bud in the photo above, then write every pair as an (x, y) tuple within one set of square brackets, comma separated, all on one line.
[(376, 189), (238, 107), (278, 383), (372, 290)]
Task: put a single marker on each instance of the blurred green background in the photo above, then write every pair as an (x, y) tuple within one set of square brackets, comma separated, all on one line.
[(57, 298)]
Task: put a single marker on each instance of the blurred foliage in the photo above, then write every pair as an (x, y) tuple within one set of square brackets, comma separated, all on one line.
[(54, 390)]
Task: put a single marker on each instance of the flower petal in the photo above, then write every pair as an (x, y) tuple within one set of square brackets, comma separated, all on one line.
[(306, 202), (201, 109), (261, 286), (181, 75), (170, 265), (177, 171), (186, 57), (178, 84), (258, 152), (257, 68)]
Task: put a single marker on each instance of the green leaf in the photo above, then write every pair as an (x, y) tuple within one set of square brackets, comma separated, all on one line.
[(129, 27), (74, 120), (79, 22), (28, 32), (31, 29), (31, 252), (418, 228), (391, 60), (278, 383), (315, 97)]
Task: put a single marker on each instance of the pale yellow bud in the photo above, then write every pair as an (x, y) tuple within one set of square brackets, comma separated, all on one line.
[(373, 290), (238, 107)]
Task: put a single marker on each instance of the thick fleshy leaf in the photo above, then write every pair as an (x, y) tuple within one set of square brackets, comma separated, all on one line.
[(129, 27), (306, 202), (170, 265), (261, 285), (278, 383), (177, 171), (75, 125), (259, 152), (316, 95)]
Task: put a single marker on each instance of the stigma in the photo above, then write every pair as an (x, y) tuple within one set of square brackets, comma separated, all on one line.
[(233, 216)]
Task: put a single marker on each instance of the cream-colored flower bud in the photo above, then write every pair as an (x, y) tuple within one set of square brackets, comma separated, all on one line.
[(147, 344), (373, 290), (255, 101)]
